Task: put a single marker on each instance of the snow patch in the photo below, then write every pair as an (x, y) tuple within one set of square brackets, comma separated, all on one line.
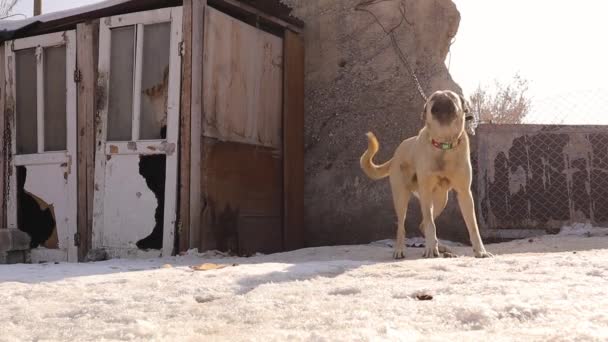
[(582, 230)]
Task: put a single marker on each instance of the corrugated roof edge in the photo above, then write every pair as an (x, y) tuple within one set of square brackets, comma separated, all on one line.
[(274, 7), (9, 28), (63, 20)]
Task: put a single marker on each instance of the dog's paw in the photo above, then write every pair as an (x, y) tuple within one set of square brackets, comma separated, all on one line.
[(431, 252), (483, 254), (399, 253)]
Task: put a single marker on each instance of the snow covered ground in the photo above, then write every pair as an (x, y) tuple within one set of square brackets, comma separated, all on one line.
[(549, 288)]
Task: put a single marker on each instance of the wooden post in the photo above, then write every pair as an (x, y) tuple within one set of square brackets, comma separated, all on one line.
[(184, 131), (87, 35), (293, 141), (37, 7), (3, 152), (198, 29)]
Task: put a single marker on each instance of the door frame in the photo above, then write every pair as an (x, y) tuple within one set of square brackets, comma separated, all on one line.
[(168, 146), (68, 157)]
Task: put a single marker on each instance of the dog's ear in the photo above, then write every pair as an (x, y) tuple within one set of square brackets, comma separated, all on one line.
[(465, 104), (423, 115)]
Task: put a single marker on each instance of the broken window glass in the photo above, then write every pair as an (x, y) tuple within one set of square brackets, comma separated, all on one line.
[(55, 92), (155, 80), (120, 109), (26, 81)]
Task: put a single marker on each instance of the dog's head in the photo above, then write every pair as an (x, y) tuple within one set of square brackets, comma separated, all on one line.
[(445, 112)]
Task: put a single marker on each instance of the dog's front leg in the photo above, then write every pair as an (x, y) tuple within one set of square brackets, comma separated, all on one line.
[(467, 208), (431, 249)]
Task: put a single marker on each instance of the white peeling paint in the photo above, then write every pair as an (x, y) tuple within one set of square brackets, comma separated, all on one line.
[(493, 144), (517, 180), (578, 147), (129, 205)]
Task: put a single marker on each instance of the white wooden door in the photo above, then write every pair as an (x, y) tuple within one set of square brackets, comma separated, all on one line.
[(137, 136), (41, 94)]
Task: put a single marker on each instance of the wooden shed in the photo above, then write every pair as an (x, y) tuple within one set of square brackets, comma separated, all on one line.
[(140, 128)]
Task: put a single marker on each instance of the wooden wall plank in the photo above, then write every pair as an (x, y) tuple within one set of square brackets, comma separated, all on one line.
[(87, 37), (198, 15), (243, 198), (242, 82), (293, 142), (3, 152), (185, 130)]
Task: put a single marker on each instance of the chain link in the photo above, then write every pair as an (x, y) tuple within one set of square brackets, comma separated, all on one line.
[(407, 64)]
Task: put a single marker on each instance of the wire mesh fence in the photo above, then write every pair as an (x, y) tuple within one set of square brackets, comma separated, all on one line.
[(541, 177)]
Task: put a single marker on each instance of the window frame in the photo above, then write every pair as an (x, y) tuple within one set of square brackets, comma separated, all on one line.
[(39, 43), (105, 148), (66, 159), (138, 21)]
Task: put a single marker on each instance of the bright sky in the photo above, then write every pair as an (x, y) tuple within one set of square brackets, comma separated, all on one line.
[(558, 45)]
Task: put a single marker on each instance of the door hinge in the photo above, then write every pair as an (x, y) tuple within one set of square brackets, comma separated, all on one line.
[(77, 239), (180, 47), (77, 76)]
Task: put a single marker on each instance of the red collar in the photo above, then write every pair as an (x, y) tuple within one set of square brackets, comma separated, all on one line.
[(445, 146)]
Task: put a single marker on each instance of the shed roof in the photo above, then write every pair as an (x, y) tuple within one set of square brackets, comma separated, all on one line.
[(63, 20)]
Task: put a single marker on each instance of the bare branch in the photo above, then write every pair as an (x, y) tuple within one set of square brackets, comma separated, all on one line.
[(506, 104)]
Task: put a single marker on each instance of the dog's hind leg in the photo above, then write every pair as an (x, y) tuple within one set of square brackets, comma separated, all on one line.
[(401, 197)]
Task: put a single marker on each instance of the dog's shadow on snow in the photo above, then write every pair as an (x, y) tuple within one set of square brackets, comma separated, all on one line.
[(298, 273), (319, 262), (331, 262)]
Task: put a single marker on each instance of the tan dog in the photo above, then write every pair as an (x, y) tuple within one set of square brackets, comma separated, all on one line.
[(429, 165)]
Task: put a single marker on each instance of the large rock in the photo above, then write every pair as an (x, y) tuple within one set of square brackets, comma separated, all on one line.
[(356, 83)]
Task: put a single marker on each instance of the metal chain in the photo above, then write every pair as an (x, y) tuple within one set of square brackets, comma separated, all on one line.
[(408, 66), (362, 7), (473, 118)]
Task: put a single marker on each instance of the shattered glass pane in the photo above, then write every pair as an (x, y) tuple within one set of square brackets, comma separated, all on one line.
[(122, 61), (55, 92), (27, 134), (155, 80)]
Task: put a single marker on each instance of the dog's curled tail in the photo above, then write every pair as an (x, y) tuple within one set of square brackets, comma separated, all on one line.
[(372, 170)]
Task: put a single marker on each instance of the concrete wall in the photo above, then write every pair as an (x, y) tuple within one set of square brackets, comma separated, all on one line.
[(356, 83)]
